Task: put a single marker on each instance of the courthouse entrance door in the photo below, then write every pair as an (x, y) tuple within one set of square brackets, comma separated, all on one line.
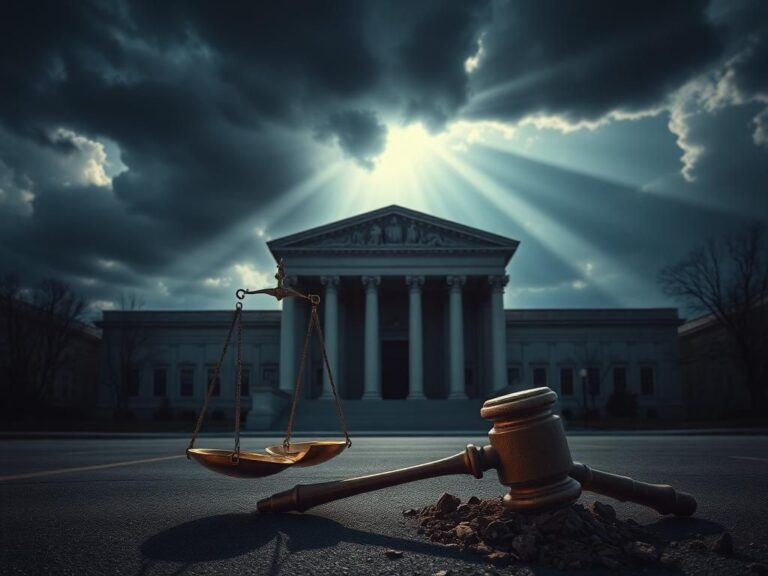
[(394, 369)]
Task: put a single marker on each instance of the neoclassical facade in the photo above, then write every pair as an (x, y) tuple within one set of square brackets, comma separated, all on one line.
[(416, 334)]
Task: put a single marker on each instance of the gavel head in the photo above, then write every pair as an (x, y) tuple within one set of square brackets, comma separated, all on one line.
[(534, 459)]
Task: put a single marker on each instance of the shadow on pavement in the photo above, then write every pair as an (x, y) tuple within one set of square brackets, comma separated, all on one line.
[(676, 528), (231, 535)]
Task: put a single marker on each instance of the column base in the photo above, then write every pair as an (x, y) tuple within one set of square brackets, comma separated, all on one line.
[(457, 396), (416, 396), (371, 396)]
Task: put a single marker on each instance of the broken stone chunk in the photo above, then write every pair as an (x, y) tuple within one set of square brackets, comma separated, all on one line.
[(723, 544), (498, 558), (463, 531), (448, 503), (464, 511), (410, 512), (524, 546), (605, 511), (393, 554), (643, 552), (495, 531)]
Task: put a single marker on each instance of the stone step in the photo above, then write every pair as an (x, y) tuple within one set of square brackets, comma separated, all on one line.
[(375, 415)]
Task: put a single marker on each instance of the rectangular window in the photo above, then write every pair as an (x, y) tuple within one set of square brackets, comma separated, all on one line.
[(566, 381), (158, 381), (245, 382), (513, 375), (217, 384), (646, 380), (593, 379), (134, 380), (187, 381), (539, 377), (619, 379), (269, 375)]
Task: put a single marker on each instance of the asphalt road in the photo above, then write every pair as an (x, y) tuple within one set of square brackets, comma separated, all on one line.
[(137, 506)]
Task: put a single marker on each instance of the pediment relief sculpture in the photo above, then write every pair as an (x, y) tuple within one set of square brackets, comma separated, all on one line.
[(395, 231)]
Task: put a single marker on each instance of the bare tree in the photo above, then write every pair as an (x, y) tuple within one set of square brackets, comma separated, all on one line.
[(19, 346), (127, 345), (39, 327), (729, 281), (59, 312)]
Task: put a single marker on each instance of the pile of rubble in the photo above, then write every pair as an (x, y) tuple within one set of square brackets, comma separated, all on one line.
[(571, 537)]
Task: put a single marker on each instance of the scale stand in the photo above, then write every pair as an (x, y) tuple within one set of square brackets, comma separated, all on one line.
[(246, 464)]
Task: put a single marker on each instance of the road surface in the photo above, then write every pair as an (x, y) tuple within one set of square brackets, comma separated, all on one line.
[(137, 506)]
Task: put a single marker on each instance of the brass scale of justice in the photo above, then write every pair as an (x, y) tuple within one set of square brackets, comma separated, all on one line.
[(528, 447)]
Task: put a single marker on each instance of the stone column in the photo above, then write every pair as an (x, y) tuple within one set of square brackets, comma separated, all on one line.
[(372, 381), (415, 339), (457, 390), (288, 341), (498, 333), (330, 332)]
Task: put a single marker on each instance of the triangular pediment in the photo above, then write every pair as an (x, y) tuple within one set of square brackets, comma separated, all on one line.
[(393, 228)]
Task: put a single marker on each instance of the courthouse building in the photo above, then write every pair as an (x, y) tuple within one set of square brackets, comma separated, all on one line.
[(416, 333)]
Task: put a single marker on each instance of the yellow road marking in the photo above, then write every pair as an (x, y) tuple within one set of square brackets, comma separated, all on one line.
[(86, 468)]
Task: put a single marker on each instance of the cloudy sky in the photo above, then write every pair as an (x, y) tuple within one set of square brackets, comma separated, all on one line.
[(153, 147)]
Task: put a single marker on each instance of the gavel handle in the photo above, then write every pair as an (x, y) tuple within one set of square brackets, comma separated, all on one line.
[(475, 461), (661, 497), (302, 497)]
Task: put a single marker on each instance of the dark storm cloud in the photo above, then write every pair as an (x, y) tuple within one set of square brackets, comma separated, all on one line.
[(431, 59), (581, 60), (216, 109), (359, 133), (745, 27)]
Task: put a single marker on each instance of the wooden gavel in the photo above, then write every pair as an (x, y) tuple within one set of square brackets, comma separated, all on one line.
[(530, 452)]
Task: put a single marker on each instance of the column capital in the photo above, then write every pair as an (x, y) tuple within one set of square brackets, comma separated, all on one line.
[(415, 282), (330, 281), (370, 282), (456, 282), (498, 282)]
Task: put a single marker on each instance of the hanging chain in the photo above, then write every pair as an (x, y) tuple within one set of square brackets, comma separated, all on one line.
[(339, 411), (279, 292), (217, 371), (238, 387), (299, 377)]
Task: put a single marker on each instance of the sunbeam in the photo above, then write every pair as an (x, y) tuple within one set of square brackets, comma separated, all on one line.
[(549, 231)]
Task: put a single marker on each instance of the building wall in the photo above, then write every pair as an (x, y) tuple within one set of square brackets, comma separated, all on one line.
[(712, 383), (546, 339), (626, 339), (172, 342)]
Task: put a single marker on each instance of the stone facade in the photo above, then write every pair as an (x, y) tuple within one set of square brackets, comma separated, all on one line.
[(415, 329)]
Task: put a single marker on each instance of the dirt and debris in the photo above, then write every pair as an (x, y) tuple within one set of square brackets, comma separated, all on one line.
[(566, 538)]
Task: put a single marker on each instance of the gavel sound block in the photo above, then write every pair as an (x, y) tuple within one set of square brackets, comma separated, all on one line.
[(530, 453)]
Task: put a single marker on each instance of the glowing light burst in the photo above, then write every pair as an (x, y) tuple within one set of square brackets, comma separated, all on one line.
[(403, 174)]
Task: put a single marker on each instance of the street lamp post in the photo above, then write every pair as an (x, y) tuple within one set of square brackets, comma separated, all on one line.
[(583, 375)]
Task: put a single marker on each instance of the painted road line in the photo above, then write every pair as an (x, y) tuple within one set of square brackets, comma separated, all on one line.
[(750, 458), (57, 471)]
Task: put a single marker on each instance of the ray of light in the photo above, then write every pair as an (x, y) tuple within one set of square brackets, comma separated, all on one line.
[(398, 175), (549, 231), (242, 242)]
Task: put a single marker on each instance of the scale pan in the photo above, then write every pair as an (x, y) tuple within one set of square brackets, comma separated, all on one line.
[(250, 465), (309, 453)]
